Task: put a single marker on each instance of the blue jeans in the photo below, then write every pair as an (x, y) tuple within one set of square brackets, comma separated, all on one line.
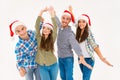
[(86, 72), (30, 73), (48, 72), (66, 68)]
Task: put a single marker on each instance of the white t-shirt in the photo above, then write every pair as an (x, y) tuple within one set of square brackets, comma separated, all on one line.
[(84, 50)]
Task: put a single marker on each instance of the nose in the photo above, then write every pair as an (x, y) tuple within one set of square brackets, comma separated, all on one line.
[(21, 32)]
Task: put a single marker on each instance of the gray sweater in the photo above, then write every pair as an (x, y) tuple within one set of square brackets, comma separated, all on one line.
[(66, 42)]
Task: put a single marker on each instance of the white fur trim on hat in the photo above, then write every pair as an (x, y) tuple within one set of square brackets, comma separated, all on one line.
[(16, 24), (67, 14), (48, 25), (82, 17)]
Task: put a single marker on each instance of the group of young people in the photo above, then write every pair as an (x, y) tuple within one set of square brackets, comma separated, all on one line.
[(35, 49)]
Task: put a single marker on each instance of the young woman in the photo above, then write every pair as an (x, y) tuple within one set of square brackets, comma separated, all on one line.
[(87, 43), (45, 52)]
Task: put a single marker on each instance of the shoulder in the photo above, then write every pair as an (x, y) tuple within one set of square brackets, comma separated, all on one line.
[(18, 44), (90, 32), (31, 32), (71, 32), (71, 35)]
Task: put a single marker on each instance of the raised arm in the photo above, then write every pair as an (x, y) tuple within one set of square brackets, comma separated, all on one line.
[(71, 10), (54, 22), (39, 20), (58, 21)]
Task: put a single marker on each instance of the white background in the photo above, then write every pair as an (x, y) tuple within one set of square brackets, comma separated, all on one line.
[(104, 14)]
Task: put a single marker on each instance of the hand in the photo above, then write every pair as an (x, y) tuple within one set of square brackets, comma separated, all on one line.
[(70, 9), (43, 10), (82, 61), (22, 72), (51, 11), (106, 62)]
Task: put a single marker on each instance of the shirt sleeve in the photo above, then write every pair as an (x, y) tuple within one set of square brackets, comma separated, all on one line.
[(91, 40), (37, 25), (58, 22), (19, 58), (74, 44), (54, 28)]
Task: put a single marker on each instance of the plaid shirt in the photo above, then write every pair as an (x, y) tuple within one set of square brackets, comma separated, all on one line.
[(25, 51), (91, 44)]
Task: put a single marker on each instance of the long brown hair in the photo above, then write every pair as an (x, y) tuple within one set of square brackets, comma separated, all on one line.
[(47, 44), (79, 37)]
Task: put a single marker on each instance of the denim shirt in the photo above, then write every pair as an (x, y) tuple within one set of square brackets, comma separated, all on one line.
[(90, 44)]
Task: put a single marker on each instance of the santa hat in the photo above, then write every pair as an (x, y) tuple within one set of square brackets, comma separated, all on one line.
[(66, 12), (85, 17), (13, 25), (49, 25)]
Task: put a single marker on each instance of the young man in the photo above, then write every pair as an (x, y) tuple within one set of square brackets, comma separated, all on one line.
[(25, 50), (66, 42)]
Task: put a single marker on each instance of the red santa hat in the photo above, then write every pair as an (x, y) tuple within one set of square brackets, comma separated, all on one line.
[(66, 12), (49, 25), (13, 25), (85, 17)]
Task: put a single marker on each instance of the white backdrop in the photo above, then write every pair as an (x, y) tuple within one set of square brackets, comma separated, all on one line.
[(104, 16)]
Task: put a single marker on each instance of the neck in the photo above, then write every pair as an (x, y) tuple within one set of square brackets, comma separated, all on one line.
[(26, 37), (65, 26), (46, 36), (82, 32)]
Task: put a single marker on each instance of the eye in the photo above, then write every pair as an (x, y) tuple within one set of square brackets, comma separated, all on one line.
[(83, 21), (43, 27), (63, 17), (17, 31), (67, 18), (79, 21), (23, 28)]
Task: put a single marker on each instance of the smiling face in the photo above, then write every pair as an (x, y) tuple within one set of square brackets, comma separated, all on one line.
[(46, 31), (65, 20), (82, 23), (21, 31)]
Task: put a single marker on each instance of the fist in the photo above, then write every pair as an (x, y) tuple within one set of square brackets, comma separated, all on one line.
[(22, 72)]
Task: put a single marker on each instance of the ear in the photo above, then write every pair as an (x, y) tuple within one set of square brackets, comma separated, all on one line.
[(70, 20), (16, 33)]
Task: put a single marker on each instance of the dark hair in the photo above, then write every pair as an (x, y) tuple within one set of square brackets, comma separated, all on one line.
[(47, 44), (79, 37)]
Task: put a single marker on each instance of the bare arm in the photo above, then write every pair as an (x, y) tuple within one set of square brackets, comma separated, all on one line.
[(97, 50)]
